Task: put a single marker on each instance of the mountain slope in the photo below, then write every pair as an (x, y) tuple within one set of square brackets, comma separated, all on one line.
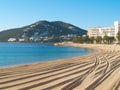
[(43, 28)]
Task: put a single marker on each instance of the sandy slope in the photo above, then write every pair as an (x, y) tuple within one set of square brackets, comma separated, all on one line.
[(98, 71)]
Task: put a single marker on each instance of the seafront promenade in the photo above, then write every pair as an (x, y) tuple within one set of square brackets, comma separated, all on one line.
[(97, 71)]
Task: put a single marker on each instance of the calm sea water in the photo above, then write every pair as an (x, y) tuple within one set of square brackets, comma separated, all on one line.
[(12, 54)]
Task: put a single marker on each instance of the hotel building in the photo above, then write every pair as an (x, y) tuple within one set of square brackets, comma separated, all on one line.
[(102, 31)]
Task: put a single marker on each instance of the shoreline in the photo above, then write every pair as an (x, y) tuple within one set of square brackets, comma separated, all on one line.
[(27, 64), (49, 61), (100, 65)]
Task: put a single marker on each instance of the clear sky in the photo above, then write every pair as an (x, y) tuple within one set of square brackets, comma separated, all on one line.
[(82, 13)]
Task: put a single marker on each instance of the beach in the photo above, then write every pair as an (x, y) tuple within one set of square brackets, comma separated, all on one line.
[(97, 71)]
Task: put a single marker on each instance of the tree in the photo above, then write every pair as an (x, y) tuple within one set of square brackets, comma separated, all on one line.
[(106, 39), (92, 39), (111, 40), (86, 39), (118, 37), (99, 39), (54, 39), (77, 39)]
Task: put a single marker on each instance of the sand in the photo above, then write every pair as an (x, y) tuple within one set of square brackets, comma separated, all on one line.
[(97, 71)]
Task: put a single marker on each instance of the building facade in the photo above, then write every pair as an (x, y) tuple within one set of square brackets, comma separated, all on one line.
[(117, 27), (102, 31)]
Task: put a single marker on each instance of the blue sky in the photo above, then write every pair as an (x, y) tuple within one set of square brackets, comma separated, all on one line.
[(82, 13)]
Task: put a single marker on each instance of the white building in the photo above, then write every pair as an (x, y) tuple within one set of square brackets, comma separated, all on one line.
[(102, 31), (21, 39), (93, 32), (12, 40), (35, 37), (117, 27)]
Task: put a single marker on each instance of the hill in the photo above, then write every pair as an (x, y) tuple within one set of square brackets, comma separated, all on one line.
[(43, 28)]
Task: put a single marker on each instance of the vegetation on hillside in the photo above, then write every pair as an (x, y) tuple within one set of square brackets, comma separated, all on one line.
[(43, 28)]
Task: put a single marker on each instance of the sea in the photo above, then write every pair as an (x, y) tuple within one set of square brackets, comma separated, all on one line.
[(14, 54)]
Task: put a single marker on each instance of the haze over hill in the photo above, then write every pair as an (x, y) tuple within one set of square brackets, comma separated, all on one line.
[(44, 29)]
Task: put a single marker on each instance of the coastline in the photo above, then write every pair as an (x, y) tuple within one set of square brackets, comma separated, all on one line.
[(99, 62), (18, 57), (51, 61)]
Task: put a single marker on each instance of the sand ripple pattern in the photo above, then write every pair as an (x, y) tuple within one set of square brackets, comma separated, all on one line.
[(100, 71)]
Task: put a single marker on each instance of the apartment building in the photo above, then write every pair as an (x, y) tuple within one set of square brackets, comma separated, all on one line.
[(102, 31)]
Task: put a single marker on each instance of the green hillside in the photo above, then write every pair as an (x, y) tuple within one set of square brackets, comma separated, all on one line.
[(43, 28)]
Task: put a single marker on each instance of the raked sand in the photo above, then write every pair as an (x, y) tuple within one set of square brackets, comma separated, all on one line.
[(98, 71)]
